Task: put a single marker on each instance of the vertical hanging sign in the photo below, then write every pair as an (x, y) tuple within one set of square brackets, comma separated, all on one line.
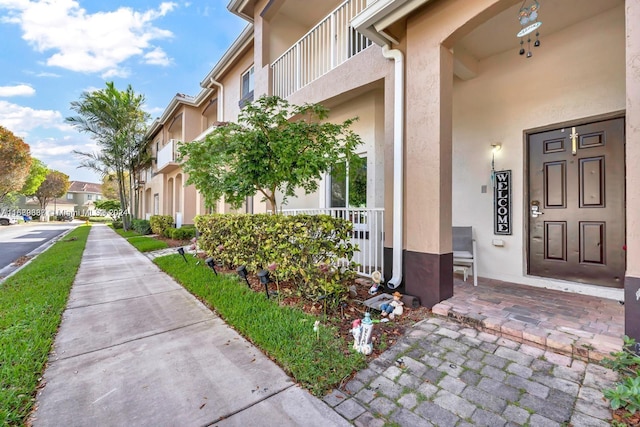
[(502, 202)]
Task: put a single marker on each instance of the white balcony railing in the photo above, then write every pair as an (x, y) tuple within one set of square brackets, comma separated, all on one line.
[(368, 227), (330, 43), (167, 154)]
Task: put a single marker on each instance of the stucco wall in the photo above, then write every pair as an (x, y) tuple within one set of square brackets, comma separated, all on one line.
[(369, 108), (576, 73)]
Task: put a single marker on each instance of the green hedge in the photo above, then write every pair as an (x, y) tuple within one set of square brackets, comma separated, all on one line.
[(183, 233), (159, 223), (306, 249), (141, 226)]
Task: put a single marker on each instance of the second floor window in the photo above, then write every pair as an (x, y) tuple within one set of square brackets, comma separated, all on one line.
[(247, 83), (89, 196), (69, 196)]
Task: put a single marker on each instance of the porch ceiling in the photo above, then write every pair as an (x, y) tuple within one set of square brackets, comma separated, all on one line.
[(307, 12), (498, 34)]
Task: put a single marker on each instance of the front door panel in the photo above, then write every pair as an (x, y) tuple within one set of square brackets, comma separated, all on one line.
[(576, 203)]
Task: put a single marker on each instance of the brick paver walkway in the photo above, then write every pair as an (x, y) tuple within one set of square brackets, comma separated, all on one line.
[(445, 374)]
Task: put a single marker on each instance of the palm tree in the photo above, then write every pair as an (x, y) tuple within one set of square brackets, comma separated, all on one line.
[(115, 120)]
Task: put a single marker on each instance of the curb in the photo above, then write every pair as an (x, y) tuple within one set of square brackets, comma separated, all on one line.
[(11, 269)]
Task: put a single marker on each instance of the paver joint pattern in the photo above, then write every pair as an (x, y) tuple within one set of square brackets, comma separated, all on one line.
[(442, 373)]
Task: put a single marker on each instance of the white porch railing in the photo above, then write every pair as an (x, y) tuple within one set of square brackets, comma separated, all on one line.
[(368, 227), (167, 154), (330, 43)]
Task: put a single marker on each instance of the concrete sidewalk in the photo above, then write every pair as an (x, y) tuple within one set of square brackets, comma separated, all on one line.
[(136, 349)]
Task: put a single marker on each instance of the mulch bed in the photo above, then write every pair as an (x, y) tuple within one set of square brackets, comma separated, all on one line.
[(343, 316)]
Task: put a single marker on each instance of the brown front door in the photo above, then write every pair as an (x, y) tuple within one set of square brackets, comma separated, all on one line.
[(576, 203)]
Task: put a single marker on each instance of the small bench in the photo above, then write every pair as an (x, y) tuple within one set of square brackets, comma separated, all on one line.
[(464, 252)]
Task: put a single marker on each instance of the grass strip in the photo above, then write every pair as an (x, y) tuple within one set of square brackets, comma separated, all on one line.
[(126, 234), (31, 306), (317, 361), (146, 244)]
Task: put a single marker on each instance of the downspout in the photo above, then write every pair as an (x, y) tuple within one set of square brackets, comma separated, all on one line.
[(398, 163), (220, 99)]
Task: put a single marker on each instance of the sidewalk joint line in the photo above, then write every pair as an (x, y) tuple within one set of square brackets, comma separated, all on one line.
[(231, 414), (135, 339), (124, 299)]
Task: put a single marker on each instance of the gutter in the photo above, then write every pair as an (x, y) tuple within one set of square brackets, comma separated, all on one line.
[(220, 98), (398, 162)]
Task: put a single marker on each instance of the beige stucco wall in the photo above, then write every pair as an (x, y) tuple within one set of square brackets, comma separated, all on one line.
[(232, 83), (369, 108), (576, 73)]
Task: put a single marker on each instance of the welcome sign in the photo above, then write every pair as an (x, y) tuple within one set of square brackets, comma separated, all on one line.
[(502, 202)]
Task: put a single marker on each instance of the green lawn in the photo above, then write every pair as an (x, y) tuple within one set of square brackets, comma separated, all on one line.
[(317, 361), (31, 306), (146, 244)]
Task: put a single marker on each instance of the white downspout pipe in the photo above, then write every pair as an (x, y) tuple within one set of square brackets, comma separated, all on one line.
[(220, 99), (398, 163)]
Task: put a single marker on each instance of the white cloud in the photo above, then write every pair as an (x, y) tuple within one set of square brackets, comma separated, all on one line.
[(50, 147), (157, 57), (20, 120), (84, 42), (17, 90)]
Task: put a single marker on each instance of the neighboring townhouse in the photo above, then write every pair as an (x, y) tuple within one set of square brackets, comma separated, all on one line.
[(526, 139), (83, 195), (162, 186), (78, 201)]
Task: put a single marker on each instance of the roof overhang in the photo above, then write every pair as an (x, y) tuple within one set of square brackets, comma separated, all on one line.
[(242, 8), (374, 21)]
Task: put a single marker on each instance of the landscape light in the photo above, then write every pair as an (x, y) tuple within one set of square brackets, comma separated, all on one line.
[(264, 279), (181, 252), (212, 264), (242, 272)]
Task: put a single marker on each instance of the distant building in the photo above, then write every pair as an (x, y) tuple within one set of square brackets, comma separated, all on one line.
[(79, 200)]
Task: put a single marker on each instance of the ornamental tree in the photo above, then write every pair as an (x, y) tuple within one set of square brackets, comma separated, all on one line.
[(115, 120), (37, 174), (15, 161), (275, 147), (55, 185)]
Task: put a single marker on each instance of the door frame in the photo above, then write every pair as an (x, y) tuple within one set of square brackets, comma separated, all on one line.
[(525, 176)]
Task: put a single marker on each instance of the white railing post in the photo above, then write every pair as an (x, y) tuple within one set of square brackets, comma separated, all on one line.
[(367, 234), (310, 57), (333, 40), (298, 67)]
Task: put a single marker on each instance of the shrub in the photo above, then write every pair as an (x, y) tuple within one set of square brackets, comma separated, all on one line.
[(117, 225), (141, 226), (314, 251), (626, 393), (159, 223), (184, 233)]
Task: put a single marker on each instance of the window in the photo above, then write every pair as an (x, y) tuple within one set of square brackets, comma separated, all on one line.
[(69, 196), (98, 197), (89, 196), (348, 184), (247, 88)]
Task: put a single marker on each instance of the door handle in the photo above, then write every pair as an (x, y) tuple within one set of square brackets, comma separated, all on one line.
[(535, 211)]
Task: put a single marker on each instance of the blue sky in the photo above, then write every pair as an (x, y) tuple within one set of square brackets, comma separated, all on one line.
[(53, 50)]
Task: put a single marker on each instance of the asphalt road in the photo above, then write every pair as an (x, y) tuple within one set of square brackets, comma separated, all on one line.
[(21, 239)]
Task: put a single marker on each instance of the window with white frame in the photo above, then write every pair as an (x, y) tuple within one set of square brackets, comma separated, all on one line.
[(348, 184), (89, 196), (69, 196)]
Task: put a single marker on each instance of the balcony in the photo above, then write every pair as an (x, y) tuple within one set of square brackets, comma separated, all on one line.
[(166, 158), (327, 45)]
